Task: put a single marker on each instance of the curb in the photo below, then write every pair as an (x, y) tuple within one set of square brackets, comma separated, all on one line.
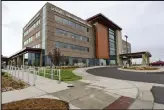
[(146, 71)]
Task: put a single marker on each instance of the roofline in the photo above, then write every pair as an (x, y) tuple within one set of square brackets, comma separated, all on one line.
[(26, 48), (100, 14), (137, 53), (85, 22)]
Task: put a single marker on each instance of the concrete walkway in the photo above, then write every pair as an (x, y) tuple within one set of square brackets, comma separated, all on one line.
[(139, 90), (111, 85), (42, 86)]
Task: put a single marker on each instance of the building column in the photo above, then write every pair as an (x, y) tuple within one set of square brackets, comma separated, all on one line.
[(18, 62), (23, 59), (143, 59), (41, 59), (148, 60), (119, 46), (15, 61)]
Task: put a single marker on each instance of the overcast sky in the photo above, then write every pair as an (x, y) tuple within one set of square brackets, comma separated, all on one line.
[(143, 22)]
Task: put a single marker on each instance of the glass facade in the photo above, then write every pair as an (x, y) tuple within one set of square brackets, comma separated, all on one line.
[(112, 46), (32, 59)]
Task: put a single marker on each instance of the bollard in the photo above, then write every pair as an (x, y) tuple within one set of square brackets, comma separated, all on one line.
[(44, 71), (18, 73), (15, 71), (59, 76), (22, 73), (34, 75), (28, 75), (52, 74)]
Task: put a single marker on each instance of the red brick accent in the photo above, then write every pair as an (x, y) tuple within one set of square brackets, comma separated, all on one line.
[(121, 103)]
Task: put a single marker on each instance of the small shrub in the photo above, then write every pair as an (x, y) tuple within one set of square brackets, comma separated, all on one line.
[(2, 73)]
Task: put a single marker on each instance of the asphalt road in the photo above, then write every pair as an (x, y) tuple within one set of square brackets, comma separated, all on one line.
[(158, 93), (112, 72)]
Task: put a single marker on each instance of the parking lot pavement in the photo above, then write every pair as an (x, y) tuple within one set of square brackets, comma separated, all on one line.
[(112, 72)]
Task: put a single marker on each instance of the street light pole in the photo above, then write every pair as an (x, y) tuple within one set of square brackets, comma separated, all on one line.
[(126, 43)]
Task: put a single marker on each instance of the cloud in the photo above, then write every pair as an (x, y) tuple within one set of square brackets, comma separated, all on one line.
[(142, 21), (13, 25)]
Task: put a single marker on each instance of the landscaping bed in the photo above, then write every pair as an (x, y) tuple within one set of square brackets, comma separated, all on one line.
[(9, 83), (141, 68), (37, 103)]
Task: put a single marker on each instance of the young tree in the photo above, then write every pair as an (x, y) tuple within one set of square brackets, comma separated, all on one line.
[(84, 61), (75, 61), (67, 61), (55, 58)]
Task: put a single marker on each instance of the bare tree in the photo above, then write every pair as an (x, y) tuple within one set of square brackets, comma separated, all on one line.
[(55, 58), (83, 60), (75, 60), (67, 61)]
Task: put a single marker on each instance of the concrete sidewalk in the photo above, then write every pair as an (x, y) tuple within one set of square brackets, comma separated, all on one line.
[(138, 90), (42, 86), (111, 85)]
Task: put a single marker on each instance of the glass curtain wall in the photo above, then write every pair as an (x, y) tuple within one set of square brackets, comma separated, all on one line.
[(112, 46), (32, 59)]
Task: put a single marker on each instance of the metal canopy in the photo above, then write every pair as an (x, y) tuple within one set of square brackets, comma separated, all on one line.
[(27, 49), (134, 55)]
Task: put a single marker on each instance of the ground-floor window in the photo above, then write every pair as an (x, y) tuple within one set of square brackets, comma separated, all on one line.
[(32, 59), (112, 62)]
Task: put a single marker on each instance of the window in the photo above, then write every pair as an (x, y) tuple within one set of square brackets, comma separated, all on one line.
[(73, 47), (70, 34), (111, 37), (39, 21), (72, 24), (65, 22), (61, 32), (83, 28), (112, 52), (58, 19), (112, 61), (34, 25), (87, 29), (78, 26), (37, 34)]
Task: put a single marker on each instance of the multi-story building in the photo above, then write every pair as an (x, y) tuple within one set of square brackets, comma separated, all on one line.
[(126, 47), (97, 40)]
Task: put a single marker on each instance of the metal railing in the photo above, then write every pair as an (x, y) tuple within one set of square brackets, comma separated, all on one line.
[(29, 74)]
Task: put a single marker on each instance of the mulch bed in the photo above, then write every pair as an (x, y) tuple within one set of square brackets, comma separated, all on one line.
[(9, 83), (37, 103)]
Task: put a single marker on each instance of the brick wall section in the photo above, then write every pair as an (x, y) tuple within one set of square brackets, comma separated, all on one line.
[(51, 37)]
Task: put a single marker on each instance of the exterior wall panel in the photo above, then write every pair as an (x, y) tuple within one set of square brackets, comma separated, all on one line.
[(102, 41)]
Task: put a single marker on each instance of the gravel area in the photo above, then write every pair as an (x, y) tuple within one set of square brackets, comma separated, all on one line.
[(9, 83), (37, 103)]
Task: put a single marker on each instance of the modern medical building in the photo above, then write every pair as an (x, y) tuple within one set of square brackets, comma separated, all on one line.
[(96, 40)]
